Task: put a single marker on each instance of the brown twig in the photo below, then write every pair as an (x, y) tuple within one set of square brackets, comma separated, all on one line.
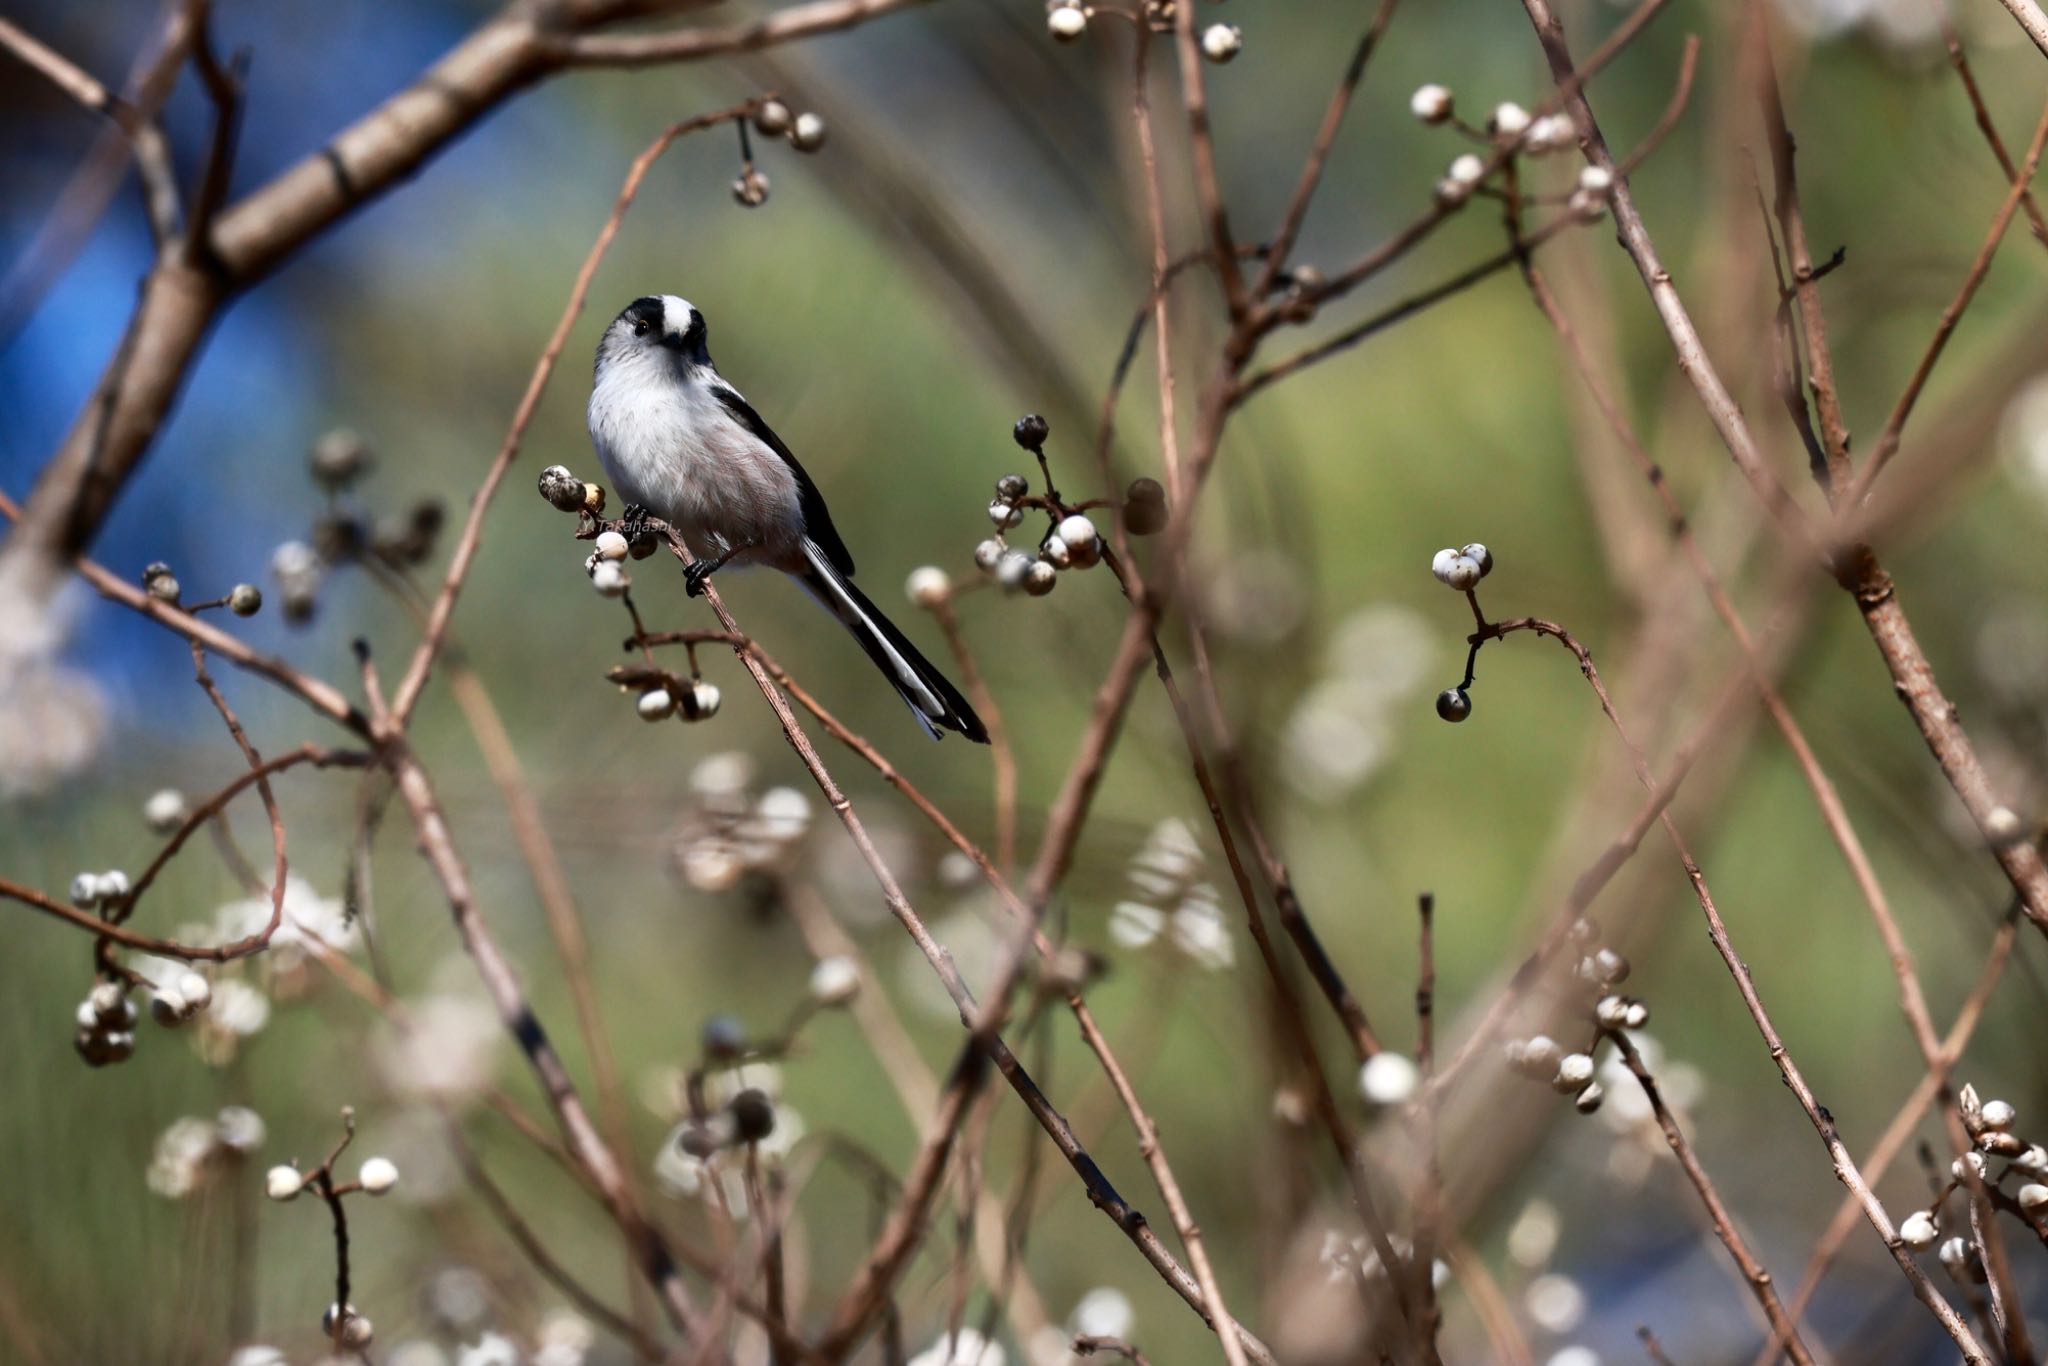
[(1753, 1272), (974, 1017), (1895, 425), (1896, 1134), (1002, 753)]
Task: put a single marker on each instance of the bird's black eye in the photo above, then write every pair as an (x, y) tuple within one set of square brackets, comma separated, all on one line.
[(640, 326)]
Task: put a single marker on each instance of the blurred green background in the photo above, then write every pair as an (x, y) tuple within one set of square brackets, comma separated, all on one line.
[(970, 246)]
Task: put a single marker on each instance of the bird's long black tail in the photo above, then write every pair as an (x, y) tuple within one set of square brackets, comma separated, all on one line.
[(930, 694)]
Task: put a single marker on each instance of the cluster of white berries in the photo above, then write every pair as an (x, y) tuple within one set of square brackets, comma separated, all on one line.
[(1513, 130), (692, 699), (1072, 543), (376, 1176), (1588, 199), (1541, 1058), (1067, 21), (1463, 568), (106, 1025), (179, 998), (99, 891), (732, 831), (606, 563), (1459, 570), (1171, 898), (192, 1149), (1990, 1124), (805, 131), (774, 119), (244, 599)]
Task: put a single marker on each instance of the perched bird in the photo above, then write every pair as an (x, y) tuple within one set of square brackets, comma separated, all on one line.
[(679, 442)]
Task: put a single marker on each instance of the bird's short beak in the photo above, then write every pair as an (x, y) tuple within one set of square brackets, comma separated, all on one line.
[(673, 341)]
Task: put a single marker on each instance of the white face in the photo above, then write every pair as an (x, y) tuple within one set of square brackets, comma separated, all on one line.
[(655, 326)]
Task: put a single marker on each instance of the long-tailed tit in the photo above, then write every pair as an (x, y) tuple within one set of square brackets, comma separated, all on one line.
[(680, 442)]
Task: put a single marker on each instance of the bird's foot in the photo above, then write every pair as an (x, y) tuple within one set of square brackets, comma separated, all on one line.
[(697, 571)]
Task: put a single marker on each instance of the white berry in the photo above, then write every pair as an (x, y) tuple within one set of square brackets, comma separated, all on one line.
[(834, 981), (196, 992), (609, 579), (1083, 542), (1509, 120), (700, 702), (164, 811), (1012, 568), (1430, 103), (1388, 1078), (283, 1183), (378, 1174), (1997, 1114), (1221, 42), (611, 546), (1461, 573), (1574, 1070), (1918, 1229), (1067, 23), (656, 704), (807, 134), (928, 586)]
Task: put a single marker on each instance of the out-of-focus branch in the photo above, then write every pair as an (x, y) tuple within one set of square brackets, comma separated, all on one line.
[(502, 983), (974, 1016), (1319, 151), (136, 120), (1858, 570), (1895, 425), (1900, 1131), (691, 44), (1968, 76), (2031, 20)]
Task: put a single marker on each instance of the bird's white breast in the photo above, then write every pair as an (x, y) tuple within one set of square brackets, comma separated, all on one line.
[(670, 445)]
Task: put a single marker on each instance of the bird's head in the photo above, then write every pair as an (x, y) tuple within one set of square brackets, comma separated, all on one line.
[(656, 327)]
